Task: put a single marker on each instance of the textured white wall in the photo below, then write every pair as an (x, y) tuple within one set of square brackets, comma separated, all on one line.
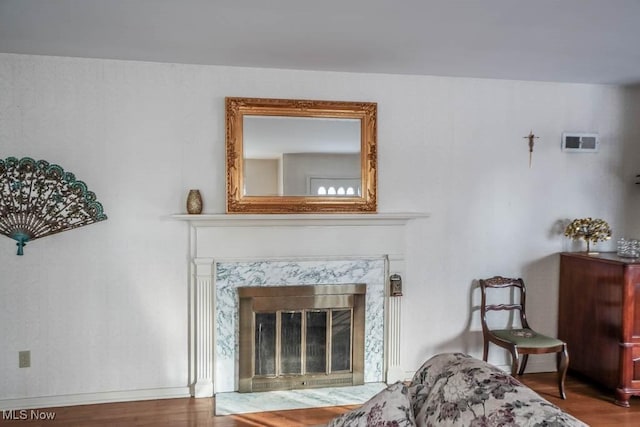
[(631, 169), (104, 308)]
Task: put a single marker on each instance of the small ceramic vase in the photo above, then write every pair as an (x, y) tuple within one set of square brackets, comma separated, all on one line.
[(194, 202)]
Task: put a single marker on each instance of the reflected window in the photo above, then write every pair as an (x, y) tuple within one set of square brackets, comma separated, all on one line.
[(343, 187)]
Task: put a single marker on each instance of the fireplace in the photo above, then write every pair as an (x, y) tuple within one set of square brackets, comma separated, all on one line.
[(294, 337), (231, 251), (232, 275)]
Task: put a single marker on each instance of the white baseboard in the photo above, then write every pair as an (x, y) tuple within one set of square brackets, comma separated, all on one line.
[(93, 398)]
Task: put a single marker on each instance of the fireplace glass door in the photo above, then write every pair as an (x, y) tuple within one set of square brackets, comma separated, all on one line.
[(301, 341), (320, 338), (265, 344), (291, 343)]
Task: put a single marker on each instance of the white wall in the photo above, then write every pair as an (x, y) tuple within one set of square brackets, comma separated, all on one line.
[(631, 170), (104, 308)]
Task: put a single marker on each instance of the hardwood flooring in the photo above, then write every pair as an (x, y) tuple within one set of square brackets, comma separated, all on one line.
[(591, 404)]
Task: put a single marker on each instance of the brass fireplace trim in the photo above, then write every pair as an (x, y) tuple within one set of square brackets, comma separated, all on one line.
[(298, 298)]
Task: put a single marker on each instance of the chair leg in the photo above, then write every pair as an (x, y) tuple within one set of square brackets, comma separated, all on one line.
[(515, 361), (485, 352), (562, 362), (525, 359)]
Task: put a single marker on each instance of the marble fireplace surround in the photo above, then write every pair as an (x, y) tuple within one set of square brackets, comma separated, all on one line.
[(229, 276), (226, 251)]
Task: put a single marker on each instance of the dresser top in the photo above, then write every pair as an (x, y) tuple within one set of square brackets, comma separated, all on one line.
[(603, 256)]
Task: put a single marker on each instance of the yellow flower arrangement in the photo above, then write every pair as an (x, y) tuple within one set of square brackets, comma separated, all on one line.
[(589, 229)]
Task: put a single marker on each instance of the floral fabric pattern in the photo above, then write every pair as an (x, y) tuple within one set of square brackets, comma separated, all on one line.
[(389, 408), (458, 390)]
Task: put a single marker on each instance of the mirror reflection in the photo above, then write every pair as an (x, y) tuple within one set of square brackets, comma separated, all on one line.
[(301, 156)]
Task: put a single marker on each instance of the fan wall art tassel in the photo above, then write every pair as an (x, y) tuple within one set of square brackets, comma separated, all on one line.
[(38, 199)]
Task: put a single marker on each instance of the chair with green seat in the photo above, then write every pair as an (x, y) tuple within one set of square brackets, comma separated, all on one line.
[(523, 340)]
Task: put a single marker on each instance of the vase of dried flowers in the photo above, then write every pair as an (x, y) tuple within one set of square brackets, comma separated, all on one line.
[(588, 229)]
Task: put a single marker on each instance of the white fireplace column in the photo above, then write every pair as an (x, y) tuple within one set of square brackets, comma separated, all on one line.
[(394, 371), (393, 309), (203, 309)]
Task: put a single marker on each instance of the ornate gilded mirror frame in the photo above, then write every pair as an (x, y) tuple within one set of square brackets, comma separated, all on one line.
[(237, 202)]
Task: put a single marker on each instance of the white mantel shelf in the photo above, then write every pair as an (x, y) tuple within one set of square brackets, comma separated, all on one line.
[(293, 220)]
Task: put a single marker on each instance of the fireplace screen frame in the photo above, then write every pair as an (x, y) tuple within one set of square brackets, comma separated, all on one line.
[(307, 298)]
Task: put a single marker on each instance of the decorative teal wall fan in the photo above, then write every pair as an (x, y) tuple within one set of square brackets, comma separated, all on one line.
[(38, 199)]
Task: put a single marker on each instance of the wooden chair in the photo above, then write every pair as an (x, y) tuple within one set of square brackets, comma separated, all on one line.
[(523, 340)]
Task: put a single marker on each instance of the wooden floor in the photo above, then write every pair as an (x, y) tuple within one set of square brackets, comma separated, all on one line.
[(588, 403)]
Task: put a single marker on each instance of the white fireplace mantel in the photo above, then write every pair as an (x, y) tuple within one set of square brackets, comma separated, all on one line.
[(292, 220), (215, 238)]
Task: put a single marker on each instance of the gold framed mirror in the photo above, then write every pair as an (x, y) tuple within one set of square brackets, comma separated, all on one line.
[(301, 156)]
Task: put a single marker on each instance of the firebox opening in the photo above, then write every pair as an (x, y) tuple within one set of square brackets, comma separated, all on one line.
[(301, 336)]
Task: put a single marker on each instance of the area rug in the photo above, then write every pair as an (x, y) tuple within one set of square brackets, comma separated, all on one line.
[(242, 403)]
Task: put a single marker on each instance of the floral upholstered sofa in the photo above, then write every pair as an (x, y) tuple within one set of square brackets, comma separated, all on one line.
[(454, 389)]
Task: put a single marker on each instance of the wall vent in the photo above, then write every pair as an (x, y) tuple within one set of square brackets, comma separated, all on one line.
[(578, 142)]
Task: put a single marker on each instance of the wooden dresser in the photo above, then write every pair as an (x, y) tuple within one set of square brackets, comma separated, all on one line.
[(599, 319)]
